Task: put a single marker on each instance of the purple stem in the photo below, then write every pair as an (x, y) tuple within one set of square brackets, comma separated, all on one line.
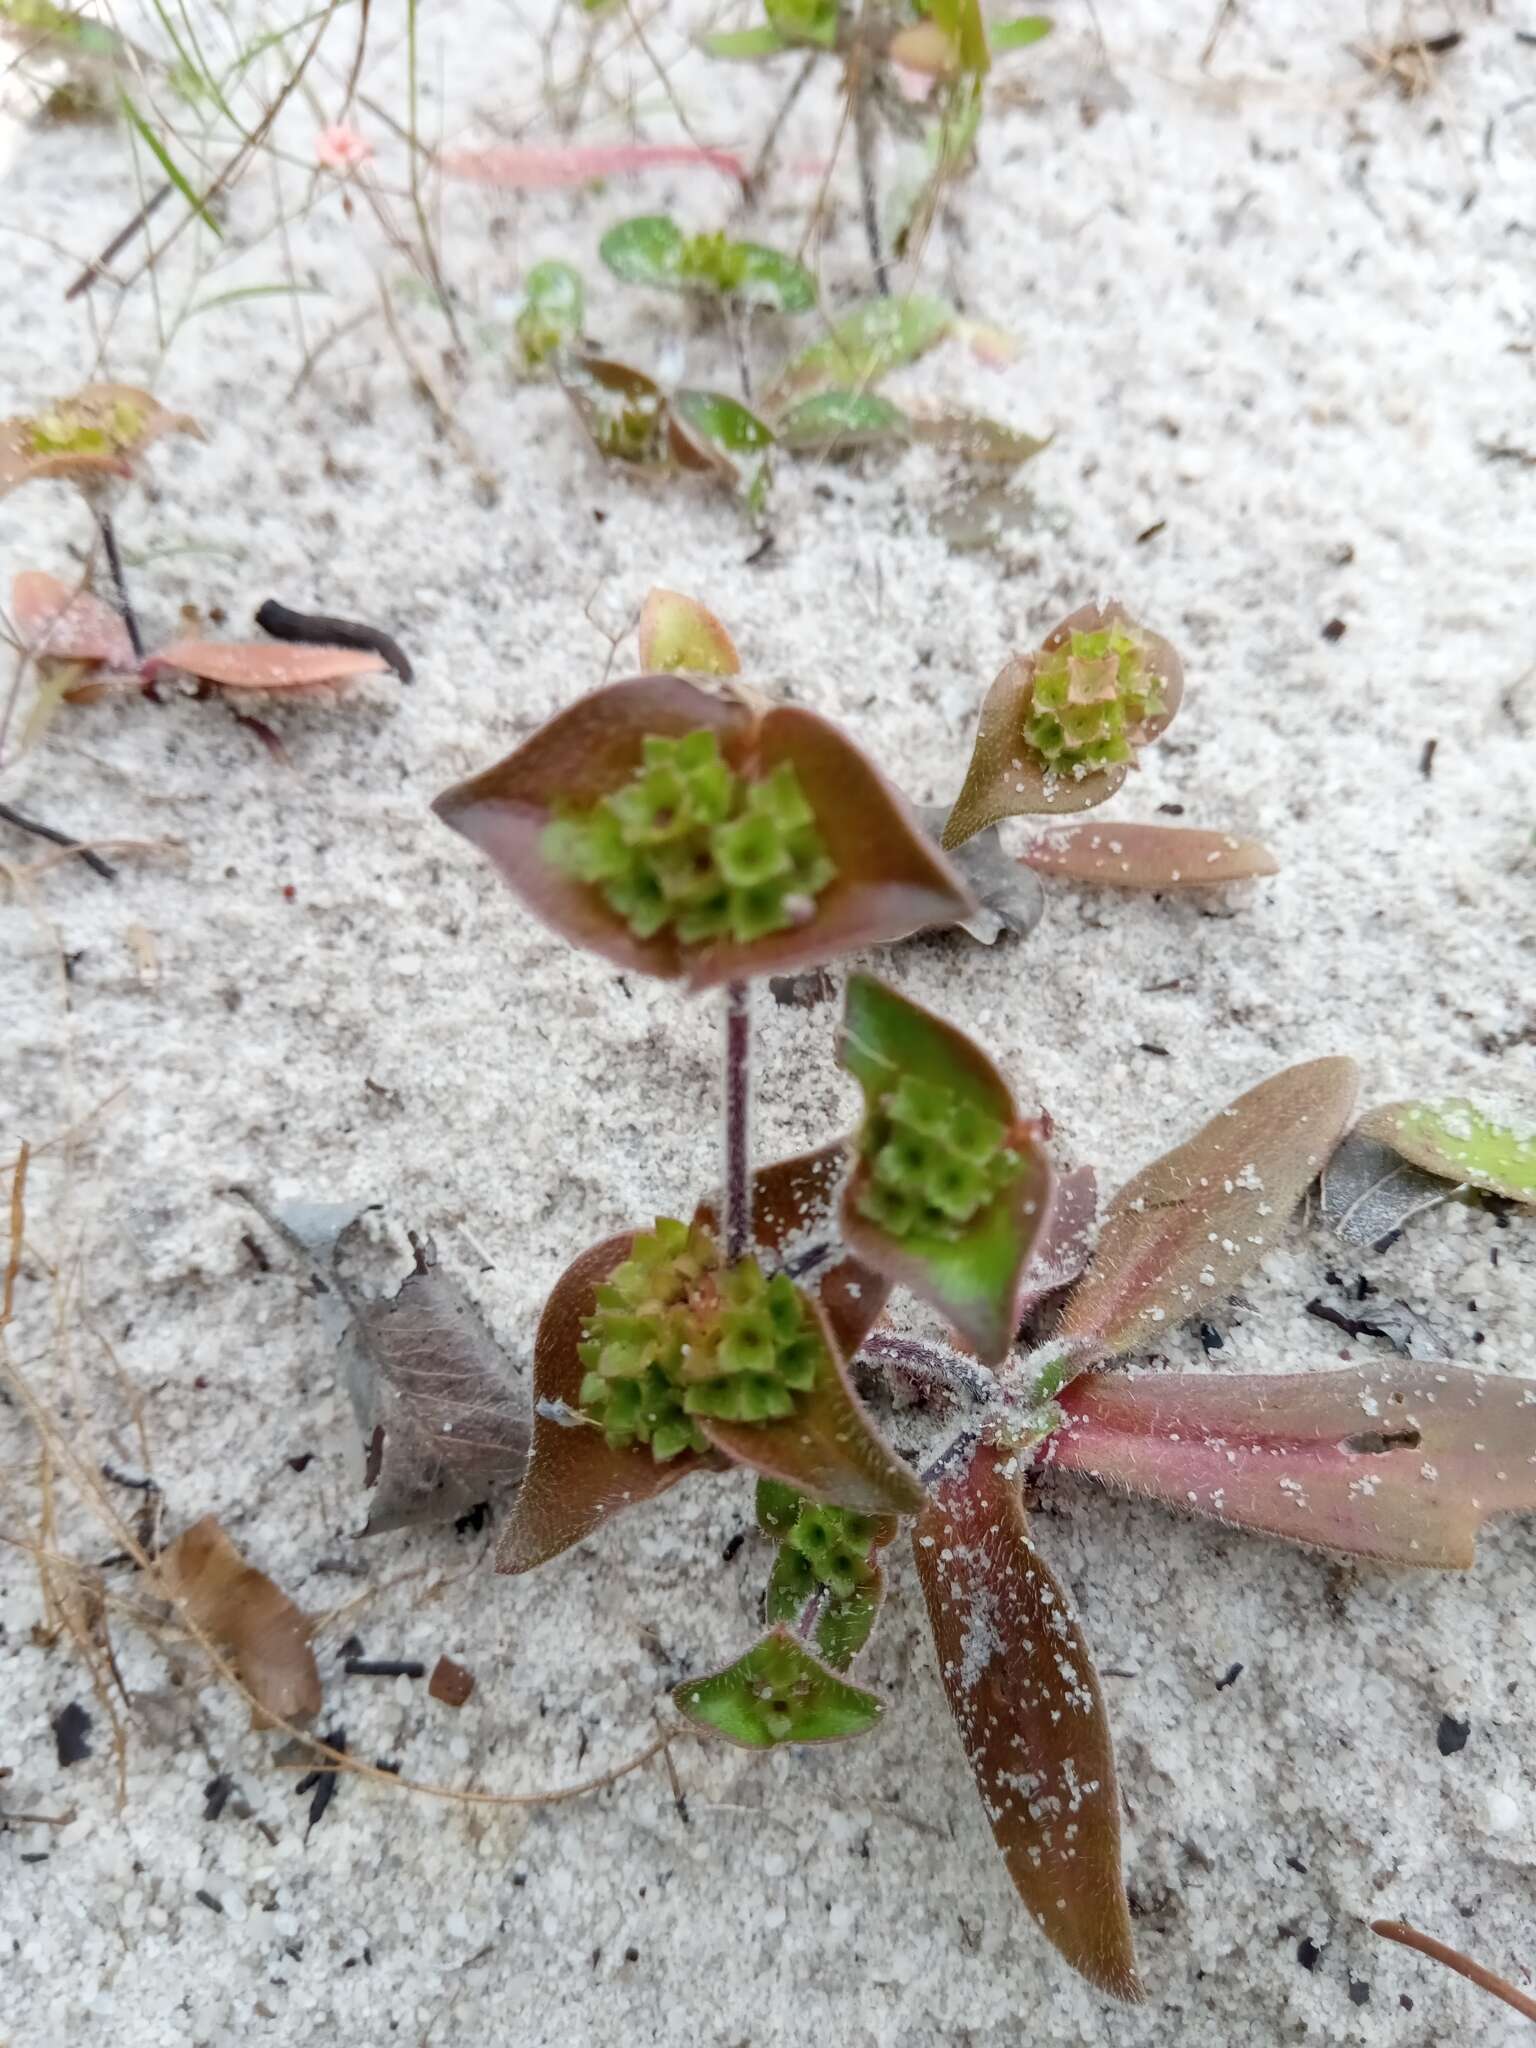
[(945, 1369), (738, 1132)]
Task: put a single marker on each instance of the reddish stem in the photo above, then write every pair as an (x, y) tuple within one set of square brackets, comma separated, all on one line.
[(1453, 1959)]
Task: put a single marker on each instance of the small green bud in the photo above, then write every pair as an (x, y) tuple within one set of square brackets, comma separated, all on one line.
[(935, 1160), (687, 844), (1089, 699)]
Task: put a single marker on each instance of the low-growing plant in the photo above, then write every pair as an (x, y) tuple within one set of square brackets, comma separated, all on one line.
[(707, 835)]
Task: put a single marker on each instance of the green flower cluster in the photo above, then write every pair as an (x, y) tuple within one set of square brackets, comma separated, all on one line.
[(826, 1555), (689, 845), (935, 1161), (85, 429), (1089, 699), (673, 1338)]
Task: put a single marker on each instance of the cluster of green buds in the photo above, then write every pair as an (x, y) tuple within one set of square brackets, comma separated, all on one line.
[(935, 1161), (826, 1556), (87, 427), (673, 1338), (1090, 698), (686, 844)]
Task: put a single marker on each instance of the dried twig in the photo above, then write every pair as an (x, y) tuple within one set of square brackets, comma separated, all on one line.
[(67, 840), (1453, 1959)]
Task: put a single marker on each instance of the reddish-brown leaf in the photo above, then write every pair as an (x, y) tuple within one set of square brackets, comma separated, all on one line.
[(890, 880), (794, 1211), (1401, 1462), (829, 1448), (57, 623), (1026, 1701), (1065, 1245), (574, 1482), (246, 1614), (1006, 778), (259, 665), (1189, 1226), (1148, 856)]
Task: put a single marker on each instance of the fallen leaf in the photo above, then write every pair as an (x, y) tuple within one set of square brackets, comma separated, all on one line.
[(1026, 1702), (257, 665), (533, 169), (1369, 1191), (247, 1615), (1189, 1226), (443, 1418), (1147, 856), (1398, 1462), (60, 624), (1009, 893)]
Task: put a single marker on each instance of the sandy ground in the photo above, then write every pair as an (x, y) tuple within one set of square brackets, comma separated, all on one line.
[(1275, 310)]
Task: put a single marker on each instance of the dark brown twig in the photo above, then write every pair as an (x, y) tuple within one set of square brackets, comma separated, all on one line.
[(1453, 1959), (738, 1116), (98, 268), (318, 629), (94, 861), (120, 582)]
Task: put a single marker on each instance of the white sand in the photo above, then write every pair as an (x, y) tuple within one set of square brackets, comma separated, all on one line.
[(1276, 307)]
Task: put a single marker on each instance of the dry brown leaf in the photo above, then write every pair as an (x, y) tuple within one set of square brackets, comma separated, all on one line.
[(247, 1615)]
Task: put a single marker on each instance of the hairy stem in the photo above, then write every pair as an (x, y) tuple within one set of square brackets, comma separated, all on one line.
[(120, 582), (944, 1369), (738, 1118), (1453, 1959)]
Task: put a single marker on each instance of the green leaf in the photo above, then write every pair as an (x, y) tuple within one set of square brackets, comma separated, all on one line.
[(804, 21), (162, 156), (553, 311), (839, 421), (646, 250), (744, 45), (1460, 1142), (711, 430), (772, 280), (256, 291), (876, 337), (961, 21), (951, 1190), (679, 636), (776, 1693), (652, 250), (844, 1626), (778, 1507), (1018, 35)]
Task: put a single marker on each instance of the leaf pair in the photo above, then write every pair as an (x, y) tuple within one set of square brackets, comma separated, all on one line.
[(645, 832), (826, 1448), (631, 419), (653, 250)]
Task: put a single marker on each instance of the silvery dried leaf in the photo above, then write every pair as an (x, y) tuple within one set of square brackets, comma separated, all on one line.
[(444, 1421), (1011, 896), (1369, 1191)]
